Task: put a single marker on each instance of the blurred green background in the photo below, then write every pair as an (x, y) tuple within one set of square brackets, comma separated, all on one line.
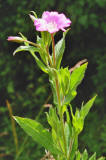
[(27, 88)]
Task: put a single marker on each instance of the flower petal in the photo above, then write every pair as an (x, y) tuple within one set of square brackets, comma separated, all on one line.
[(40, 24)]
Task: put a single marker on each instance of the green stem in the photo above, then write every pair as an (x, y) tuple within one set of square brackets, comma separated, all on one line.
[(57, 90), (38, 46), (62, 125), (58, 95), (34, 44), (70, 148), (60, 114), (53, 47)]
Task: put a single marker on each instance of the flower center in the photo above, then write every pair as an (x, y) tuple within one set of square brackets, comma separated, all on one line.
[(52, 26)]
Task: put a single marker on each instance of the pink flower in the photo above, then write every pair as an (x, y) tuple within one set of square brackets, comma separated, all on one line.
[(15, 39), (52, 22)]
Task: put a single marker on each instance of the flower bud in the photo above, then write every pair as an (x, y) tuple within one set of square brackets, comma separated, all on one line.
[(15, 39)]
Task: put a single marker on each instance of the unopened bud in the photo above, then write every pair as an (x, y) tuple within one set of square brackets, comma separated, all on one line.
[(15, 39)]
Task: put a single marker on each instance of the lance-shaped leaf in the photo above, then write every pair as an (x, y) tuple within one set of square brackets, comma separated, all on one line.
[(52, 79), (77, 76), (39, 63), (85, 109), (77, 121), (64, 80), (78, 155), (102, 158), (26, 48), (75, 79), (38, 133), (55, 124), (68, 135), (93, 157), (73, 147), (32, 49), (59, 50), (78, 118), (84, 155)]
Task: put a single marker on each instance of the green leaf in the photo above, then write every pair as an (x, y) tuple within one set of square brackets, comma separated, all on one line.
[(59, 50), (93, 157), (53, 119), (46, 38), (32, 49), (39, 63), (64, 80), (38, 133), (55, 124), (78, 155), (42, 50), (84, 155), (77, 121), (76, 78), (68, 135), (26, 43), (68, 116), (85, 109), (74, 146), (63, 77), (78, 118), (52, 79), (101, 158), (26, 48)]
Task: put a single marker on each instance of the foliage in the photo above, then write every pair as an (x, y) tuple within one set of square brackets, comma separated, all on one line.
[(18, 81), (62, 140), (84, 156)]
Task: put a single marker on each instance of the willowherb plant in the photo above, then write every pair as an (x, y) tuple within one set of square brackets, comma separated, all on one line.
[(61, 141)]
